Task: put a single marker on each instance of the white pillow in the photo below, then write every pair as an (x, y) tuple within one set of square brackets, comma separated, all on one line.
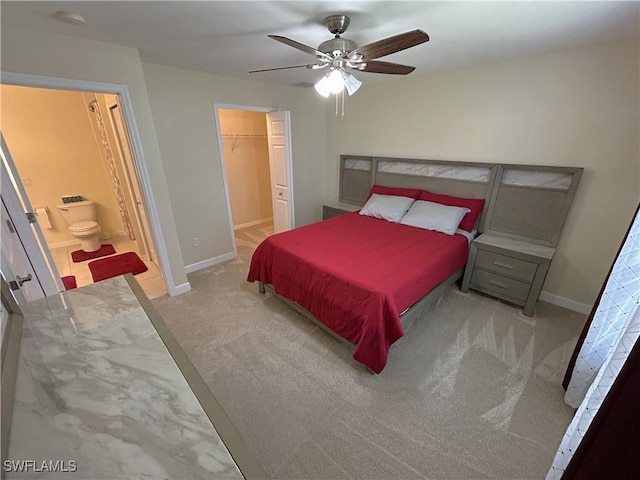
[(387, 207), (434, 216)]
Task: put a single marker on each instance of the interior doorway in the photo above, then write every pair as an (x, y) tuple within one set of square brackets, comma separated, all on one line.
[(255, 151), (245, 155), (67, 144)]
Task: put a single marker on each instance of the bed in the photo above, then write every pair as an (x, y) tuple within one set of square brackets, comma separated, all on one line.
[(366, 279), (356, 274)]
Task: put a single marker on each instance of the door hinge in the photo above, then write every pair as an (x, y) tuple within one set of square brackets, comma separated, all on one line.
[(31, 217), (11, 227)]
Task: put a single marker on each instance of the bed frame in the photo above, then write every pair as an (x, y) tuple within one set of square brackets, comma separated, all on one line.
[(522, 202), (407, 318)]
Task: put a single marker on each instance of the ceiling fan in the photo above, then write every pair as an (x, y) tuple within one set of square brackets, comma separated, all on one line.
[(340, 54)]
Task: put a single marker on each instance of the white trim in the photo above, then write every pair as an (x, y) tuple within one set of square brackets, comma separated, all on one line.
[(227, 106), (251, 224), (182, 288), (566, 303), (66, 243), (104, 235), (39, 81), (209, 262), (225, 184)]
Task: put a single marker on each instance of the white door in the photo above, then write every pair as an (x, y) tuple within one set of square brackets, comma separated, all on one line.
[(16, 268), (279, 137), (30, 238), (115, 114)]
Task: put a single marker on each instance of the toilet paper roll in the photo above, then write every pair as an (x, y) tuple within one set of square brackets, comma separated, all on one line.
[(43, 217)]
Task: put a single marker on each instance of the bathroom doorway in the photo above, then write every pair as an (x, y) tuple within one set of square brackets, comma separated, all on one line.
[(67, 144)]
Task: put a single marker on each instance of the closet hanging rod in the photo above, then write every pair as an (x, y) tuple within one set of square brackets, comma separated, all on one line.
[(232, 135)]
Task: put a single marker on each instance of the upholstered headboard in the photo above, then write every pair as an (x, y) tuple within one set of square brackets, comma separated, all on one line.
[(525, 202)]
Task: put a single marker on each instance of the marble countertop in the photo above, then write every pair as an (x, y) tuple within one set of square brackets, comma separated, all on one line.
[(98, 391)]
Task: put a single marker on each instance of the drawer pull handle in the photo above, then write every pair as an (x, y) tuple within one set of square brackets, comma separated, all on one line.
[(503, 265), (498, 284)]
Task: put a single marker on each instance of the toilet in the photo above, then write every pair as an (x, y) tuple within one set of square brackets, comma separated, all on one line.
[(81, 218)]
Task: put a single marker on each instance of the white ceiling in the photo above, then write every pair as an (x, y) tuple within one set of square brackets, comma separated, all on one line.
[(230, 38)]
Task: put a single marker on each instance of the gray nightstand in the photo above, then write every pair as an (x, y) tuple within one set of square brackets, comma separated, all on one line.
[(513, 270), (336, 209)]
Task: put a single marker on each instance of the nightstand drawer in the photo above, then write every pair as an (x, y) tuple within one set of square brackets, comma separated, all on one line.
[(504, 265), (516, 289)]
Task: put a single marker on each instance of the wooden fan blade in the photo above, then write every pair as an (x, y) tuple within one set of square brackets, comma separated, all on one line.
[(300, 46), (390, 45), (376, 66), (311, 65)]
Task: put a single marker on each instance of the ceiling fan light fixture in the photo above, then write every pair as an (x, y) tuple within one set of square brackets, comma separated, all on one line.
[(322, 86), (335, 81), (351, 83)]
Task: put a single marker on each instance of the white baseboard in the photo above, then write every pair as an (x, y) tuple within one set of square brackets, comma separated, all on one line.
[(179, 289), (251, 224), (566, 303), (209, 262), (71, 243), (110, 235), (66, 243)]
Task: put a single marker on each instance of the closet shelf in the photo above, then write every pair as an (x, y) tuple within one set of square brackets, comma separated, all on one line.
[(237, 136), (243, 135)]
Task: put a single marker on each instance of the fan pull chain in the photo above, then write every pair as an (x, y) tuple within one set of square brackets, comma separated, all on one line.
[(340, 101)]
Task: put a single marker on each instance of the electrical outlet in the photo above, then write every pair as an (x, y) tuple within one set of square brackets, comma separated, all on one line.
[(196, 241)]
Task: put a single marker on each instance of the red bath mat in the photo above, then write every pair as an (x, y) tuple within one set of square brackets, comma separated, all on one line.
[(103, 251), (69, 282), (109, 267)]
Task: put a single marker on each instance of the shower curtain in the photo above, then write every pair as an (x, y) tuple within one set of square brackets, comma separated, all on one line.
[(111, 169), (603, 379)]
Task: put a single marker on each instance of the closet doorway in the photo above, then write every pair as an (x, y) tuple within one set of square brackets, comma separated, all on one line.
[(255, 152)]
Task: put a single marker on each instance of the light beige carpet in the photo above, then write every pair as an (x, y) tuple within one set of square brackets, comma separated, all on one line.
[(472, 391)]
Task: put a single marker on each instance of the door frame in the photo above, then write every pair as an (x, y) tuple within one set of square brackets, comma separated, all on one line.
[(226, 106), (58, 83), (127, 162), (16, 201)]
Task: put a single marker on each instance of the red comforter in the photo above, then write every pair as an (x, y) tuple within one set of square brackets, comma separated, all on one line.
[(356, 274)]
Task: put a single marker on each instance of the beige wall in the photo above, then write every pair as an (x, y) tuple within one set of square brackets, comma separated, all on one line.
[(49, 135), (38, 53), (183, 110), (572, 108), (246, 160)]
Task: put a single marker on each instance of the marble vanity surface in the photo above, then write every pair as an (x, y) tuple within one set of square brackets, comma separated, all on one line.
[(98, 392)]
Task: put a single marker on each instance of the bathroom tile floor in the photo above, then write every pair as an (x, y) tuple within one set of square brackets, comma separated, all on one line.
[(151, 281)]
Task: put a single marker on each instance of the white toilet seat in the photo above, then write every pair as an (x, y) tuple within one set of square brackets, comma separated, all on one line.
[(83, 228)]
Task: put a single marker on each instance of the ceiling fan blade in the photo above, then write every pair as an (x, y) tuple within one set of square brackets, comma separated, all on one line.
[(311, 65), (390, 45), (301, 46), (376, 66)]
